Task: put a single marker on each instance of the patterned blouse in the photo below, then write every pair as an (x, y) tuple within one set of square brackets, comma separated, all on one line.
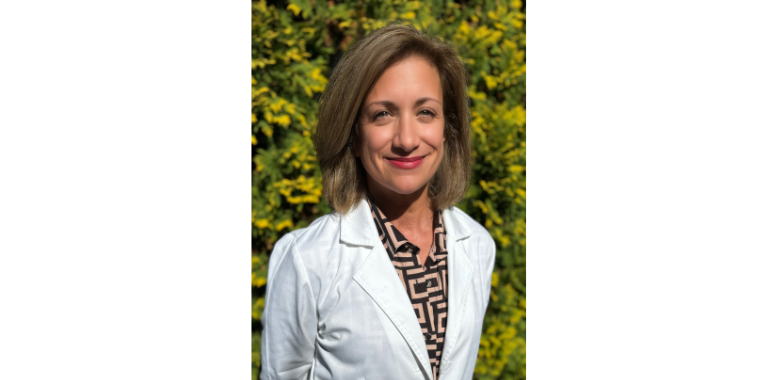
[(426, 285)]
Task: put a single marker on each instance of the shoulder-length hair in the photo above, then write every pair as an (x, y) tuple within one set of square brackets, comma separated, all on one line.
[(343, 176)]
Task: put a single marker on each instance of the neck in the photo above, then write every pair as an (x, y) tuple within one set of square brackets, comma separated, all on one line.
[(412, 210)]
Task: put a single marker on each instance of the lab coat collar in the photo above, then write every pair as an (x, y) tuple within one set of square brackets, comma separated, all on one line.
[(358, 228)]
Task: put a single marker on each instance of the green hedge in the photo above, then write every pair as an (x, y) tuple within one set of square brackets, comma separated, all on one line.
[(295, 43)]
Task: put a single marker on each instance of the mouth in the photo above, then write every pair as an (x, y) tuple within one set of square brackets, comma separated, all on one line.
[(405, 162)]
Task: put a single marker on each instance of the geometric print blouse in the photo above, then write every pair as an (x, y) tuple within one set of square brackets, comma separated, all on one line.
[(425, 283)]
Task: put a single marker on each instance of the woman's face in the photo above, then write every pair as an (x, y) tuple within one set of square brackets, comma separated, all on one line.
[(401, 127)]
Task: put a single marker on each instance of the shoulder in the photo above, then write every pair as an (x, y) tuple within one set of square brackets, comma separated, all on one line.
[(464, 225), (314, 247), (321, 232), (316, 253), (476, 228), (477, 236)]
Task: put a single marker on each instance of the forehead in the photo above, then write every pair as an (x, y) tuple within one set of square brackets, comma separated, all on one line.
[(411, 77)]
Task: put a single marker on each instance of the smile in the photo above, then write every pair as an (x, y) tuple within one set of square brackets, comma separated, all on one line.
[(405, 162)]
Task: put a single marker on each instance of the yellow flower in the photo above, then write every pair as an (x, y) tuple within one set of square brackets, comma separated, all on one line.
[(286, 223), (408, 15)]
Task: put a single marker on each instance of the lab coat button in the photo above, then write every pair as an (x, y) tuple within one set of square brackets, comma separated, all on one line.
[(446, 367)]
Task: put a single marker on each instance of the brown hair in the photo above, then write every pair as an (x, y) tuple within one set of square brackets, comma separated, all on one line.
[(343, 176)]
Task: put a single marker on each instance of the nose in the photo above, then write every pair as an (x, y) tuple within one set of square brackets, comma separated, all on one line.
[(406, 137)]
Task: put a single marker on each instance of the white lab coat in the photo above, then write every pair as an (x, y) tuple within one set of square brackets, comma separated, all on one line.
[(336, 308)]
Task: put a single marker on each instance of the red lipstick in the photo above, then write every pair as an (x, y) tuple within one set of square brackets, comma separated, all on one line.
[(405, 162)]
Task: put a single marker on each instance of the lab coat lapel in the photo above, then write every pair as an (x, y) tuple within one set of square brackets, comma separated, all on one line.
[(460, 274), (379, 279), (460, 270)]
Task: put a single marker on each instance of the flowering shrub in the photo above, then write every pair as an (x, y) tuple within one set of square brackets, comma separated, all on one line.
[(296, 42)]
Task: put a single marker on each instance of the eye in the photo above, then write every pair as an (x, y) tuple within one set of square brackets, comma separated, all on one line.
[(427, 112), (381, 114)]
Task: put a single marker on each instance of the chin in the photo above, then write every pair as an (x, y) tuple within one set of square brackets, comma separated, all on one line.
[(407, 188)]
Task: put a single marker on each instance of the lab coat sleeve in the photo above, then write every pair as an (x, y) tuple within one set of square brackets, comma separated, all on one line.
[(290, 318)]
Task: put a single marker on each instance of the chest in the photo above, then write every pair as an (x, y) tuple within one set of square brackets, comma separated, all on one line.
[(368, 325)]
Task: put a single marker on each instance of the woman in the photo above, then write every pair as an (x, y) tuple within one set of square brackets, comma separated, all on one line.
[(394, 284)]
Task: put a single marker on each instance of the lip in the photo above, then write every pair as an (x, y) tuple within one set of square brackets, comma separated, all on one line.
[(405, 162)]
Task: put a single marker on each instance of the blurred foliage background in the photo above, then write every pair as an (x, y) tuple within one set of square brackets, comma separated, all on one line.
[(296, 43)]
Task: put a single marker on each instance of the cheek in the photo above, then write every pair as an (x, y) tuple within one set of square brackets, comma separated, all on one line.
[(435, 138), (375, 143)]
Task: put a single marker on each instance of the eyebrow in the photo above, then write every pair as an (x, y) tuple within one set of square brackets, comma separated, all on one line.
[(419, 101)]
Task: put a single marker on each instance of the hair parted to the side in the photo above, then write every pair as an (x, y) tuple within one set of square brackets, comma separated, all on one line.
[(343, 176)]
